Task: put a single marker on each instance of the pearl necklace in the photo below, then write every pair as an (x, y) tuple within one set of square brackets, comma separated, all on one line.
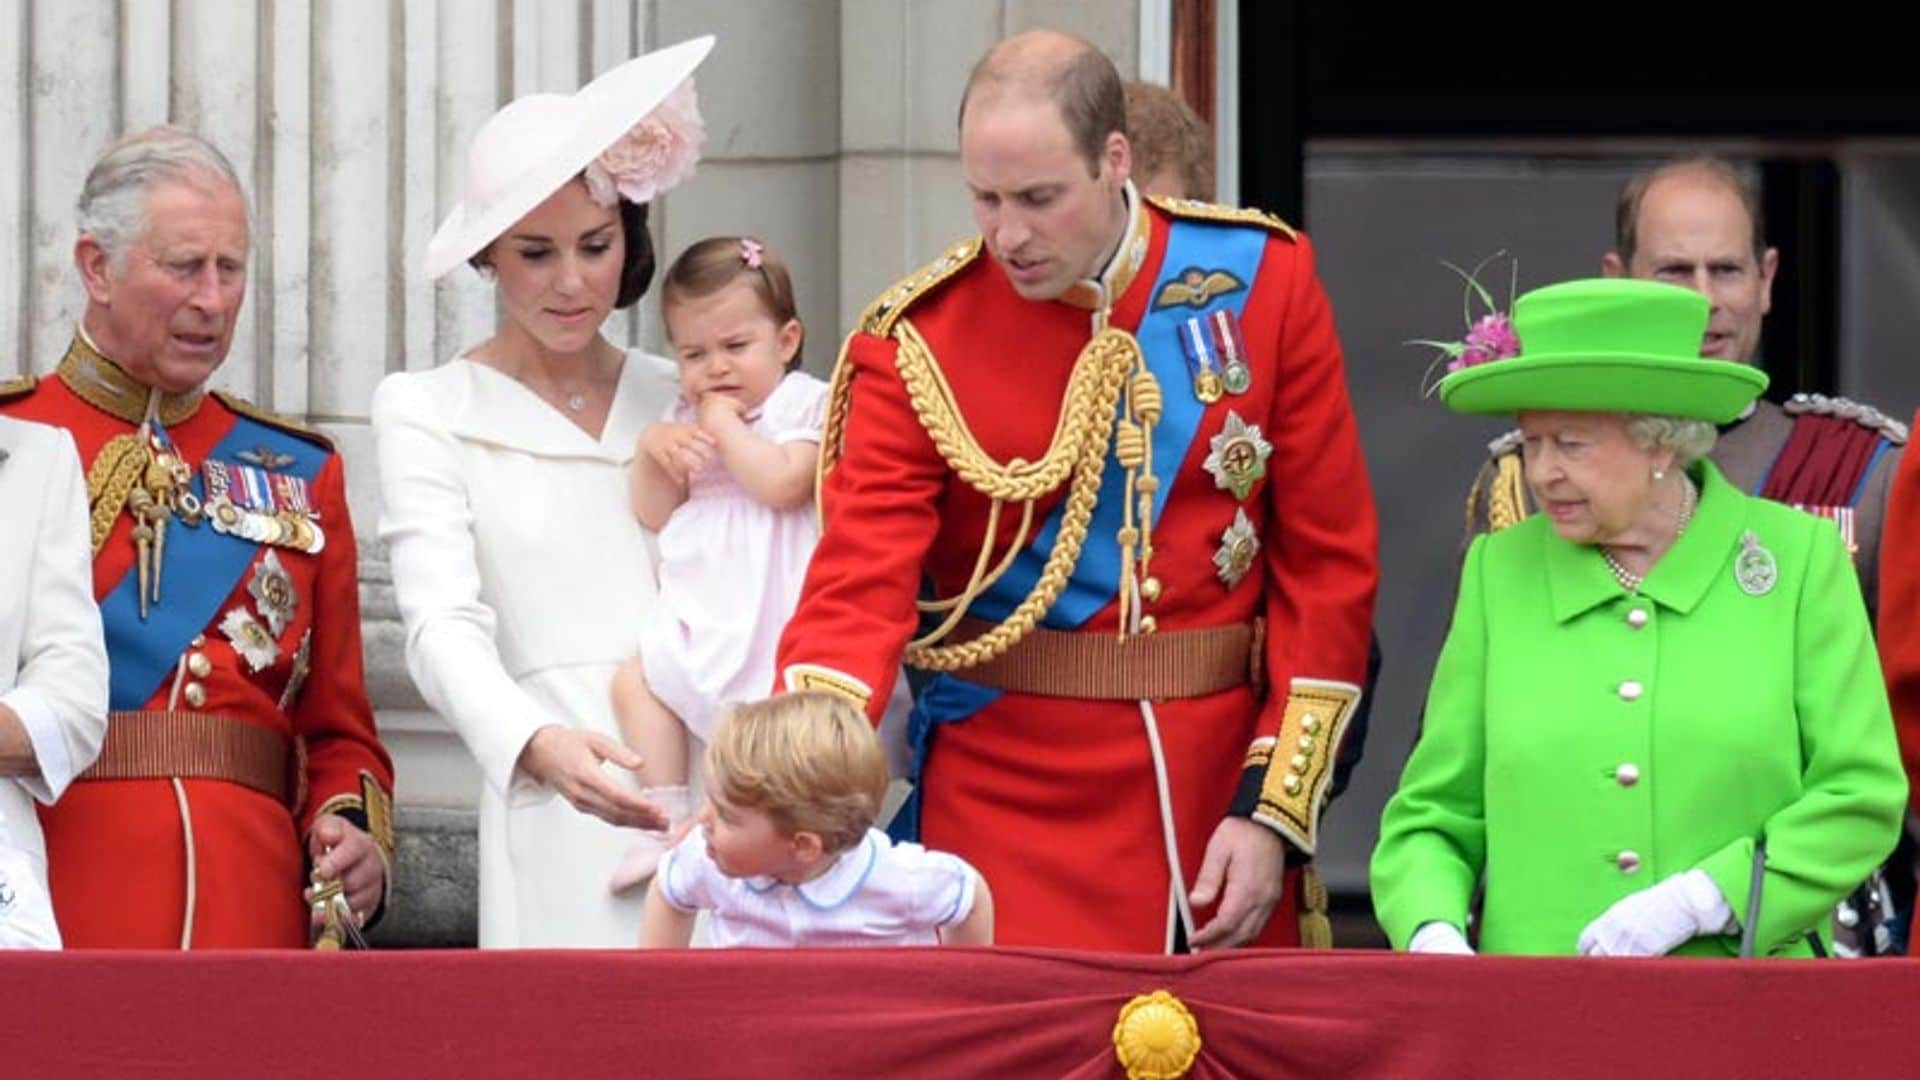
[(1629, 580)]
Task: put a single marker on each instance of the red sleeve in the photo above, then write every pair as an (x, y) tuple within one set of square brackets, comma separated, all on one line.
[(1321, 549), (1899, 627), (881, 512), (332, 714)]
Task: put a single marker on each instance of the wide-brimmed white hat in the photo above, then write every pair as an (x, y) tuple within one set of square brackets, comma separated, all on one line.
[(527, 150)]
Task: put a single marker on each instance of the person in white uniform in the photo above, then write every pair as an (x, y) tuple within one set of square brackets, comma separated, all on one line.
[(517, 565), (786, 854), (53, 662)]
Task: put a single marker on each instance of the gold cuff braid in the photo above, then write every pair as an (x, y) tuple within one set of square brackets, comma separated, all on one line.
[(1298, 764)]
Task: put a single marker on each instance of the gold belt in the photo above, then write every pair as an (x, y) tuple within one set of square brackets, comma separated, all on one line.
[(1104, 666), (155, 744)]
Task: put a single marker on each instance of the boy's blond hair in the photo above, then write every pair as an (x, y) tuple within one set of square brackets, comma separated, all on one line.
[(809, 761)]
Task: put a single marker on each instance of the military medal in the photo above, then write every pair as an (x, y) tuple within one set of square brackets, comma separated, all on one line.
[(1754, 568), (1197, 342), (1234, 373), (1238, 546), (250, 639), (262, 507), (1237, 457), (1842, 517), (273, 592)]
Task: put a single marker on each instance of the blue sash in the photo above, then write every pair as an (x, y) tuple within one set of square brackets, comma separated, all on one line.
[(1095, 581), (202, 568)]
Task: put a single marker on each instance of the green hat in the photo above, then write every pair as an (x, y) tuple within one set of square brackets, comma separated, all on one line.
[(1608, 345)]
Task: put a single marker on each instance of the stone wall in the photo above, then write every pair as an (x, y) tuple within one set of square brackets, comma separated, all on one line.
[(830, 135)]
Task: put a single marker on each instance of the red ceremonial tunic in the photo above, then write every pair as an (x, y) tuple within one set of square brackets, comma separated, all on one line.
[(1054, 799), (128, 858)]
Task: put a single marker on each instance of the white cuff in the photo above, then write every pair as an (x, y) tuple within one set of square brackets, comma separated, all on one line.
[(49, 744)]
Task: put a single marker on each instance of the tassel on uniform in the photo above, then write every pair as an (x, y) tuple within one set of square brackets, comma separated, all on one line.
[(1507, 494), (1316, 929)]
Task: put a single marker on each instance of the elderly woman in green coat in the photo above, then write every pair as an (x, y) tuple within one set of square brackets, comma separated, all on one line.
[(1646, 684)]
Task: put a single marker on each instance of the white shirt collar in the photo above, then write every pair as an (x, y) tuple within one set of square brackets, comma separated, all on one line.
[(840, 881)]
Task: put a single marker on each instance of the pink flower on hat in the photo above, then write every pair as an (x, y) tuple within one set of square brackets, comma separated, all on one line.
[(654, 155), (1490, 337)]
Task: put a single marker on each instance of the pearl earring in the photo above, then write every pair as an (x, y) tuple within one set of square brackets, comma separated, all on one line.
[(1659, 475)]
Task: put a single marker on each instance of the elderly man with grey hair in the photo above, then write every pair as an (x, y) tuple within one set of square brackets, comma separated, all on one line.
[(241, 797)]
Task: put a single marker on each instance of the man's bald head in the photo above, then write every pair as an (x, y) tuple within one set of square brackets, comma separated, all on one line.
[(1049, 65)]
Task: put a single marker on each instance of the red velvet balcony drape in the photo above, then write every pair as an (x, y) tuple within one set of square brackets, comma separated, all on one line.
[(940, 1013)]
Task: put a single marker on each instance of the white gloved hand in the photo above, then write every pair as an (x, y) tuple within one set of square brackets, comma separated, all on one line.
[(1658, 919), (1439, 939)]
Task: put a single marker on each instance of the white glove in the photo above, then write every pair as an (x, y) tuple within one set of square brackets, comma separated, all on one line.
[(1439, 939), (1658, 919)]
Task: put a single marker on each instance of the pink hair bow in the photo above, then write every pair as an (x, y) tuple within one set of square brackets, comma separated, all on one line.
[(750, 252)]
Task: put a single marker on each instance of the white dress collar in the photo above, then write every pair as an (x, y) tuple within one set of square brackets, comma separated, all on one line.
[(500, 410)]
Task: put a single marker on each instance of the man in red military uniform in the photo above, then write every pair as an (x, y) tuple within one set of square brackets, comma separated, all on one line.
[(240, 753), (1114, 433), (1899, 629)]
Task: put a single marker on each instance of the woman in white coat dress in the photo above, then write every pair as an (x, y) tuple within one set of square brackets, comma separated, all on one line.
[(53, 662), (519, 569)]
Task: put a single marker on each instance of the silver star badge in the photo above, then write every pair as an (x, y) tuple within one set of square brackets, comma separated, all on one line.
[(1238, 546), (1237, 456), (250, 639), (273, 592)]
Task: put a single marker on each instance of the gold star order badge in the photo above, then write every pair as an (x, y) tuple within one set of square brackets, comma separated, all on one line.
[(1237, 456), (1238, 546)]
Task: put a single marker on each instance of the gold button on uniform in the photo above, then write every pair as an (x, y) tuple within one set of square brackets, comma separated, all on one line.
[(196, 694), (199, 665)]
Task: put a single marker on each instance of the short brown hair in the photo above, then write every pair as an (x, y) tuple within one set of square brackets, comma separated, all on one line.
[(1626, 212), (809, 761), (1165, 131), (1083, 84), (718, 261)]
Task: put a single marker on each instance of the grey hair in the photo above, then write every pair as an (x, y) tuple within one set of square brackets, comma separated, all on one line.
[(1690, 440), (113, 201)]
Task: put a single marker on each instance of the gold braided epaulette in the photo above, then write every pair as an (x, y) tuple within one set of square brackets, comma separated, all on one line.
[(1195, 210), (272, 419), (1498, 497), (18, 387), (893, 302)]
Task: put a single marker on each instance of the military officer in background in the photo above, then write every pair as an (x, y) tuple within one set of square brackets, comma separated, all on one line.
[(241, 779)]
